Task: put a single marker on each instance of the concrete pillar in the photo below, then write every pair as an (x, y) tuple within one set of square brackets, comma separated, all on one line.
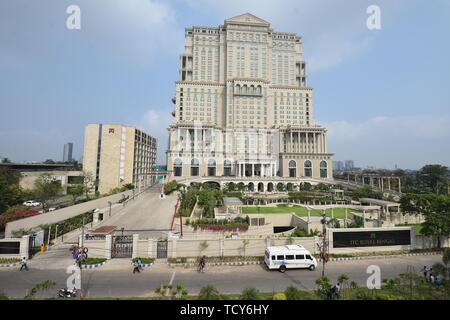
[(150, 248), (135, 245), (399, 185), (382, 183), (108, 246), (174, 248), (24, 247), (389, 183), (253, 170)]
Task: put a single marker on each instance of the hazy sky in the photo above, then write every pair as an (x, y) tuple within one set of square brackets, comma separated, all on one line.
[(383, 94)]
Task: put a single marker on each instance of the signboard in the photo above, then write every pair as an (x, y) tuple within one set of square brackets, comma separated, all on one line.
[(371, 238), (12, 247)]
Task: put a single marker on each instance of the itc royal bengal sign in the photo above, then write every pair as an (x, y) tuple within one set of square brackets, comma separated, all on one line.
[(371, 238)]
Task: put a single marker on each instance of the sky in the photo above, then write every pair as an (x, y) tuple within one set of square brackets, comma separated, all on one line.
[(383, 95)]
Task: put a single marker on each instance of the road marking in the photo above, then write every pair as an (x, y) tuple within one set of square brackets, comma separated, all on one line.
[(171, 279)]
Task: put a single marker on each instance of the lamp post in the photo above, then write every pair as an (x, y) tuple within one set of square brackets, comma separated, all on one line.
[(109, 203)]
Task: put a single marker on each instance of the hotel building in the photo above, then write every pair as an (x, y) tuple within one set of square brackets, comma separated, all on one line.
[(243, 107)]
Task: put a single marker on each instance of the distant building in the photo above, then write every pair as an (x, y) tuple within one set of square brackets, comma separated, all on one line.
[(117, 155), (67, 174), (339, 166), (67, 156), (349, 165)]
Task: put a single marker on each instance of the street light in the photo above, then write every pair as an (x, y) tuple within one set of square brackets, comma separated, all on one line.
[(110, 203)]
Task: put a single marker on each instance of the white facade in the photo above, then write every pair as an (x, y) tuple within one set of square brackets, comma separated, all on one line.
[(243, 97)]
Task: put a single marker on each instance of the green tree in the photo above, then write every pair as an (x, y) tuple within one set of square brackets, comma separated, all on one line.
[(6, 160), (89, 182), (366, 192), (323, 287), (207, 201), (435, 177), (75, 191), (46, 188), (10, 191), (435, 208), (209, 292)]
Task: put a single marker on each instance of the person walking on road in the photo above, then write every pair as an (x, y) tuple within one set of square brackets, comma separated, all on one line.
[(201, 265), (23, 264), (136, 268), (139, 261)]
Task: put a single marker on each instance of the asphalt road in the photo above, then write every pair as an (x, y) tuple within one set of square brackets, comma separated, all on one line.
[(115, 279)]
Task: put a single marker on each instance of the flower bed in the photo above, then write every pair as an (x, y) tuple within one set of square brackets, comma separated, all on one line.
[(225, 227)]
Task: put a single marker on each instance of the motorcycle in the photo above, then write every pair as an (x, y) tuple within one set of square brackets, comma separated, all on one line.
[(67, 293)]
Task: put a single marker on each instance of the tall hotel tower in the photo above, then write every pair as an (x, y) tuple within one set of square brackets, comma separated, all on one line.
[(243, 107)]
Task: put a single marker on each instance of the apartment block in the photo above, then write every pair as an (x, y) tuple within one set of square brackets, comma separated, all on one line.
[(116, 155)]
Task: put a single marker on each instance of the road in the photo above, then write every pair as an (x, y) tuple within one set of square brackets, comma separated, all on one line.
[(115, 279)]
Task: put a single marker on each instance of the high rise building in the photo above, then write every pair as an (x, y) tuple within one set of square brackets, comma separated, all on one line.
[(243, 107), (116, 155), (349, 165), (67, 155)]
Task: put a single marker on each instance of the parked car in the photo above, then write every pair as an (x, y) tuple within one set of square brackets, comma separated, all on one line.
[(31, 203)]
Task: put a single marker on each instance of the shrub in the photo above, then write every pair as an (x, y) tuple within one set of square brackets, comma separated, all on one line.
[(292, 293), (209, 292), (279, 296), (250, 293), (94, 260)]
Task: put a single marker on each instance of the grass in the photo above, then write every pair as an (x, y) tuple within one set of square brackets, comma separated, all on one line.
[(339, 213), (94, 260)]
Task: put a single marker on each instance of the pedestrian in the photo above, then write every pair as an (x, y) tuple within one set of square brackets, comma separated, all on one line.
[(136, 268), (139, 261), (337, 289), (424, 272), (202, 263), (430, 275), (23, 264), (436, 281)]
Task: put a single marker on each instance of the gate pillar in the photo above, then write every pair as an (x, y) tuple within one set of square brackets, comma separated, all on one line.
[(108, 246), (135, 246)]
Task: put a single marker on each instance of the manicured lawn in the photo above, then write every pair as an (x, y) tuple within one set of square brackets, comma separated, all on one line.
[(339, 213)]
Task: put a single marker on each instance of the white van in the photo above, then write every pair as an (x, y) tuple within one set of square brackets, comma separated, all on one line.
[(289, 256)]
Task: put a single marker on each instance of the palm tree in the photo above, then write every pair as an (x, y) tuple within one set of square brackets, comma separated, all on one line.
[(209, 292)]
